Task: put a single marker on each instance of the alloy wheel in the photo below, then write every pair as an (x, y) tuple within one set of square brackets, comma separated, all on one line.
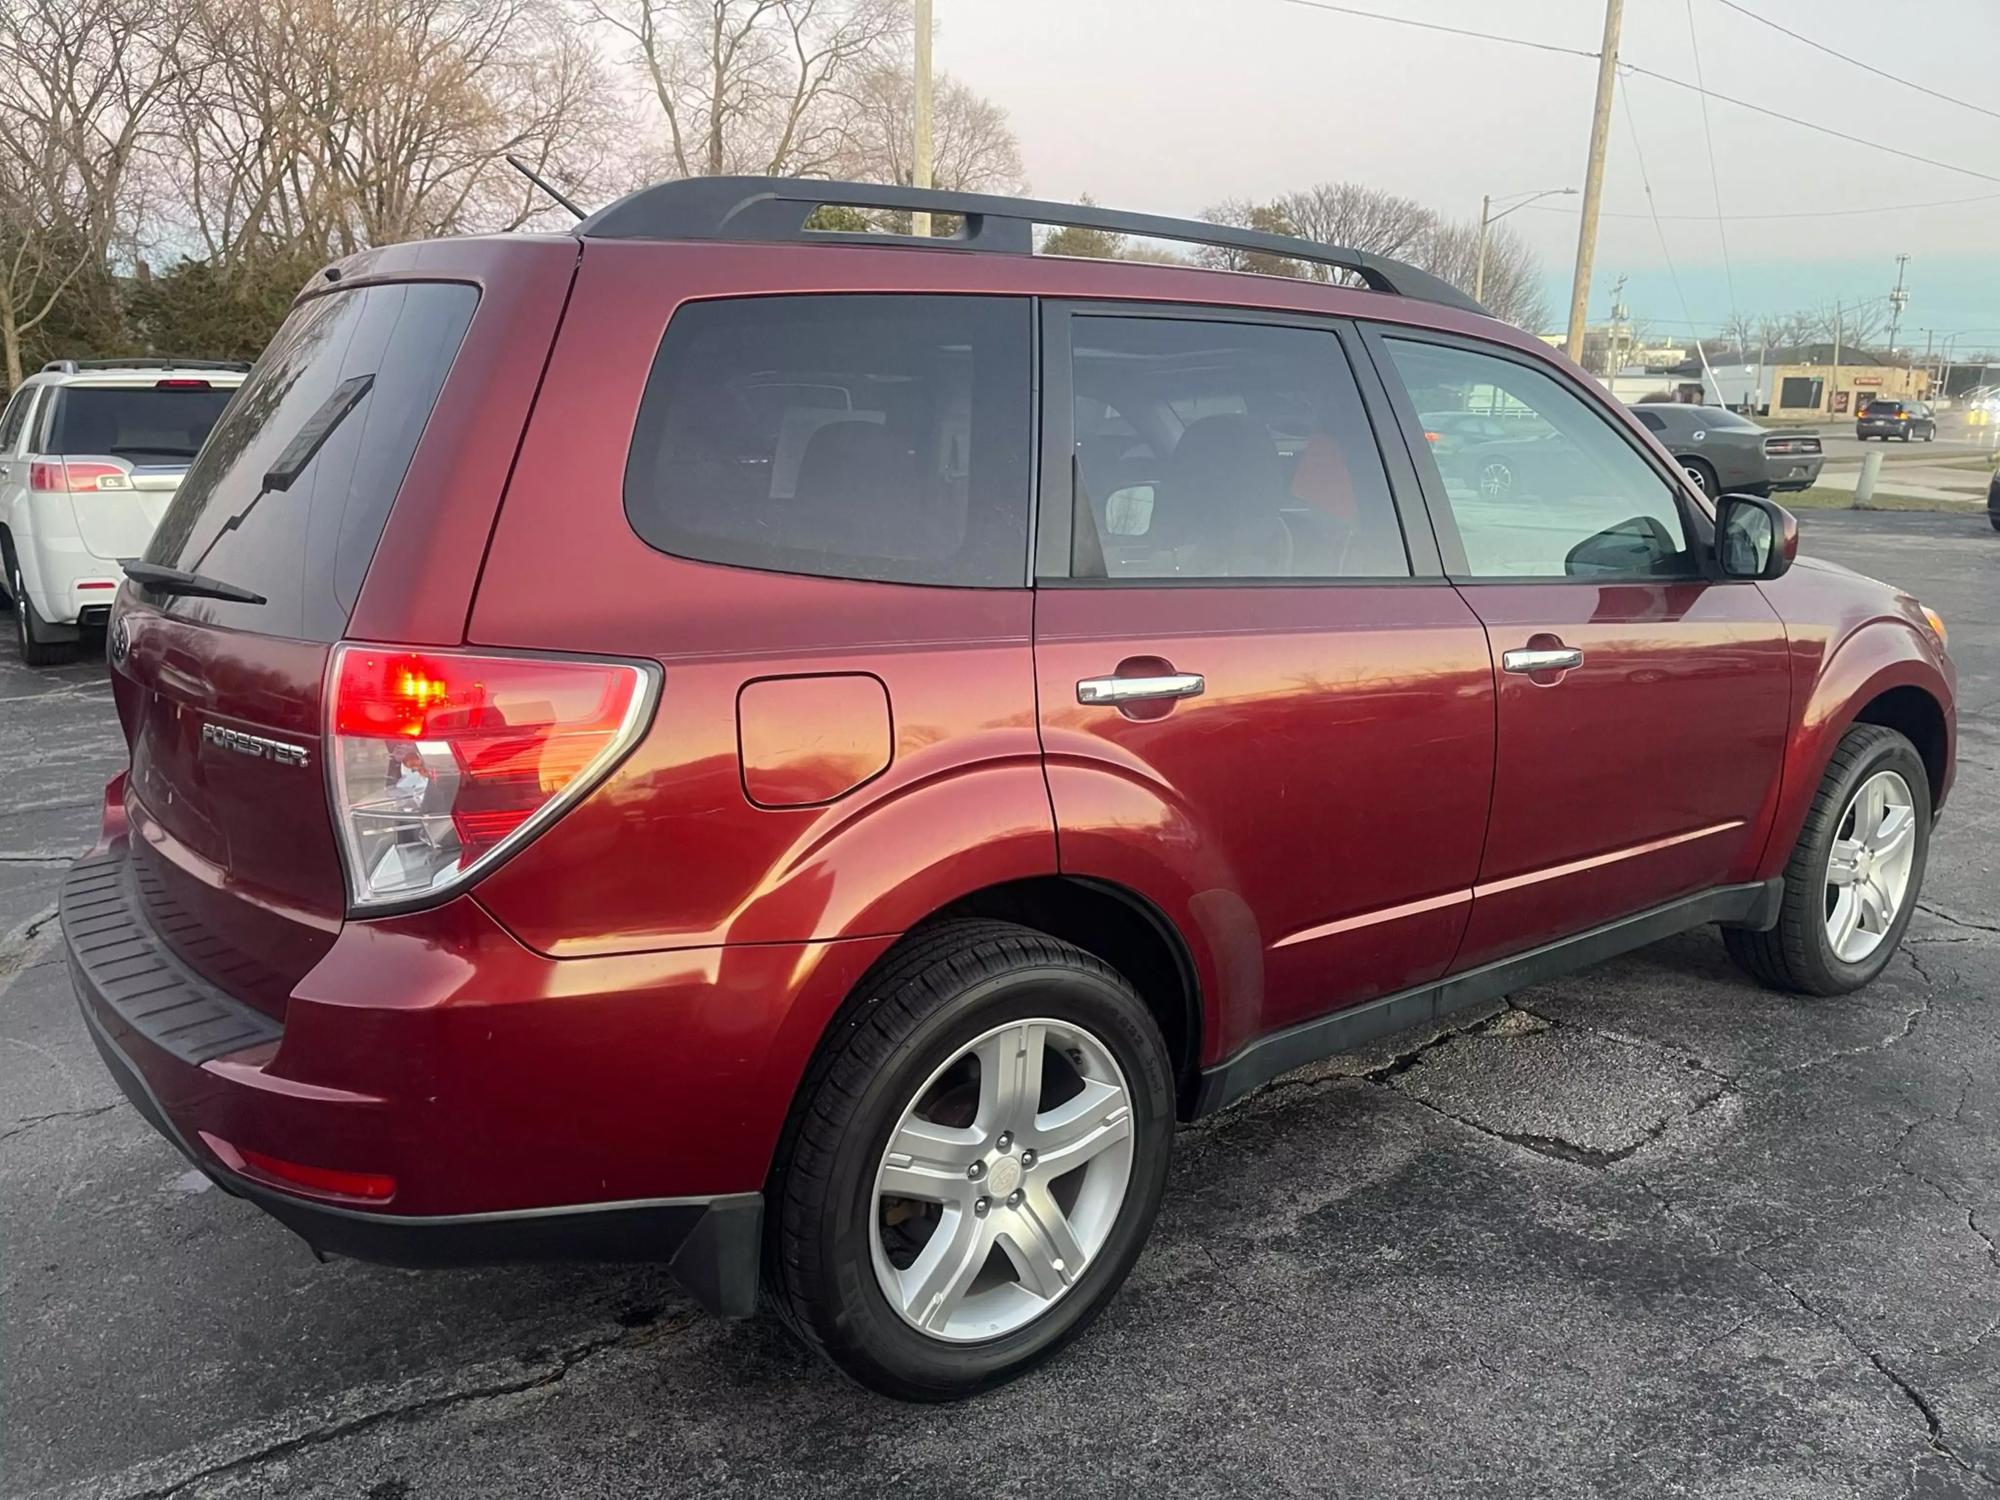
[(1868, 867), (1496, 479), (1002, 1179)]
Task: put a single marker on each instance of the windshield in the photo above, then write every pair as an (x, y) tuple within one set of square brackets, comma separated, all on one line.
[(152, 424)]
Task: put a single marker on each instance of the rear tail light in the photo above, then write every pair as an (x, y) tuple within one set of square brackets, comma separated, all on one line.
[(70, 476), (445, 761)]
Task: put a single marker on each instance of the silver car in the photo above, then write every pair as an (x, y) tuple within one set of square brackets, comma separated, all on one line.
[(1728, 454), (91, 451)]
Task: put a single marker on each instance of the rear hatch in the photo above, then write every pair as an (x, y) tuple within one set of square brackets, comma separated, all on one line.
[(120, 449), (233, 847)]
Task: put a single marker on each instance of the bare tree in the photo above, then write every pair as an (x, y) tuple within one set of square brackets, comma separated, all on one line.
[(762, 86), (1358, 218), (1514, 291), (972, 147), (81, 85)]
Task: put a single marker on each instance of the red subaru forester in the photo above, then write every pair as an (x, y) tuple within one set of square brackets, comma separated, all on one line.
[(801, 755)]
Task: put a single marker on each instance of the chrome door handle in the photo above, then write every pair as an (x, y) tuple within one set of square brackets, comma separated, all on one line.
[(1139, 689), (1523, 660)]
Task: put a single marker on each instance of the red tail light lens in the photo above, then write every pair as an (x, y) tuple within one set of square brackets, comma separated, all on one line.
[(72, 476), (444, 760)]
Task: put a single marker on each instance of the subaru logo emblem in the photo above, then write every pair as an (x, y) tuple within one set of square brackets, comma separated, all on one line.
[(121, 639)]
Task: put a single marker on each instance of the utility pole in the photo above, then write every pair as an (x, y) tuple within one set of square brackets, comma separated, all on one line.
[(1614, 360), (1898, 300), (920, 167), (1839, 327), (1593, 179)]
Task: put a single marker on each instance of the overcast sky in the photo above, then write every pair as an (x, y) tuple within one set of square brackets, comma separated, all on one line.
[(1169, 105)]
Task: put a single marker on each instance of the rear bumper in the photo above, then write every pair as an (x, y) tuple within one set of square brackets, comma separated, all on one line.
[(710, 1244), (1790, 474), (523, 1108)]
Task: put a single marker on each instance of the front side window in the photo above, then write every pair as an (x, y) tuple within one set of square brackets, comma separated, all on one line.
[(1208, 450), (16, 418), (853, 436), (1550, 489)]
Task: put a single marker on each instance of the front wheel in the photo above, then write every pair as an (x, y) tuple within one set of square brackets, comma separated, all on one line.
[(975, 1162), (1852, 883)]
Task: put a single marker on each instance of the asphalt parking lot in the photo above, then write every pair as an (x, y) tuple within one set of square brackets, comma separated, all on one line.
[(1648, 1231)]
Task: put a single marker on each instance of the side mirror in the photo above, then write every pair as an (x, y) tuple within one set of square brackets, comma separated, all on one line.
[(1755, 537)]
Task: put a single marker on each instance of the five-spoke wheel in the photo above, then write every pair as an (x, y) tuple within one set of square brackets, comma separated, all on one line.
[(1002, 1179), (974, 1163)]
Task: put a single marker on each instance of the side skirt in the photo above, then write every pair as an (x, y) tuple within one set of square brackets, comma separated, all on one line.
[(1754, 906)]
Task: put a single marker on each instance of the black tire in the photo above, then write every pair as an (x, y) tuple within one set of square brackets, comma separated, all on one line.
[(36, 651), (1796, 954), (1994, 517), (945, 986), (1703, 474)]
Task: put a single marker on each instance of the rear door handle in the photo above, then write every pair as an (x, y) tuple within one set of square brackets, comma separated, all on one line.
[(1541, 660), (1139, 689)]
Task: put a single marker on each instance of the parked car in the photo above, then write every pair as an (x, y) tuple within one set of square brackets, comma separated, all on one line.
[(1726, 453), (705, 742), (91, 451), (1896, 419)]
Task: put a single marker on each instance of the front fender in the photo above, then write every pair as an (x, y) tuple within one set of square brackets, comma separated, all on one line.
[(1883, 653)]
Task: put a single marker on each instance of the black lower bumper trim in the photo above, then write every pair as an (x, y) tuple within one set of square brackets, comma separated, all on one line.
[(711, 1244)]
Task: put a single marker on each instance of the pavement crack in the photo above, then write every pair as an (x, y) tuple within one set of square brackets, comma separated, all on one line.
[(1944, 916), (1933, 1425), (29, 1122), (564, 1362), (1626, 1039)]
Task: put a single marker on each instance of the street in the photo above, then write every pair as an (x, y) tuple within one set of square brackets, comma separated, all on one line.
[(1649, 1230)]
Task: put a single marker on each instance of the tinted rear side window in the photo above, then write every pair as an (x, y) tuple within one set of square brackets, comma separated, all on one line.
[(879, 437), (359, 371), (141, 424)]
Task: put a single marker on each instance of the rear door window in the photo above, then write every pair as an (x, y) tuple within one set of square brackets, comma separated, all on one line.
[(1249, 455), (16, 418), (857, 436), (145, 424), (289, 497)]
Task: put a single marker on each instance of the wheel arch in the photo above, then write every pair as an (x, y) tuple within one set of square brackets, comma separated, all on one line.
[(1126, 930), (1882, 675)]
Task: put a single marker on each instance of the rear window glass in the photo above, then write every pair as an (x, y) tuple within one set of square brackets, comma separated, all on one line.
[(1883, 408), (289, 497), (141, 424), (854, 436)]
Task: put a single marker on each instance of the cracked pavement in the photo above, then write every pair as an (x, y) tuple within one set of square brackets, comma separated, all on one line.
[(1648, 1229)]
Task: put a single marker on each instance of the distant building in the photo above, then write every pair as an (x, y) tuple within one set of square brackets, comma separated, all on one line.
[(1805, 380)]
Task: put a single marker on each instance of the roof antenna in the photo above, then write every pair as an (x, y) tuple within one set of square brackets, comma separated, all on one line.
[(529, 172)]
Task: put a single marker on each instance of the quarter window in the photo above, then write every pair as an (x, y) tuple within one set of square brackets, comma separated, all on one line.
[(1207, 449), (855, 436), (1542, 486)]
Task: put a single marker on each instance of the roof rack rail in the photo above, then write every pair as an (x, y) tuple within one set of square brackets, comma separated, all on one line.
[(778, 208), (142, 362)]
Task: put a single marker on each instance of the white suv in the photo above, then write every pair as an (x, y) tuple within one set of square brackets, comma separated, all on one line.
[(91, 451)]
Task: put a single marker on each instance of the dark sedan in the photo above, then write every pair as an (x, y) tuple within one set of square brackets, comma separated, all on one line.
[(1728, 454), (1904, 420)]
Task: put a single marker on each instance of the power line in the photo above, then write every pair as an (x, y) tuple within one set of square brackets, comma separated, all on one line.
[(1857, 62), (1714, 180), (1809, 213), (1841, 135), (1646, 181), (1679, 83), (1484, 36)]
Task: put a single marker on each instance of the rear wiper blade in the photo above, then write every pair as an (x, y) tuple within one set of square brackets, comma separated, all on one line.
[(194, 585)]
